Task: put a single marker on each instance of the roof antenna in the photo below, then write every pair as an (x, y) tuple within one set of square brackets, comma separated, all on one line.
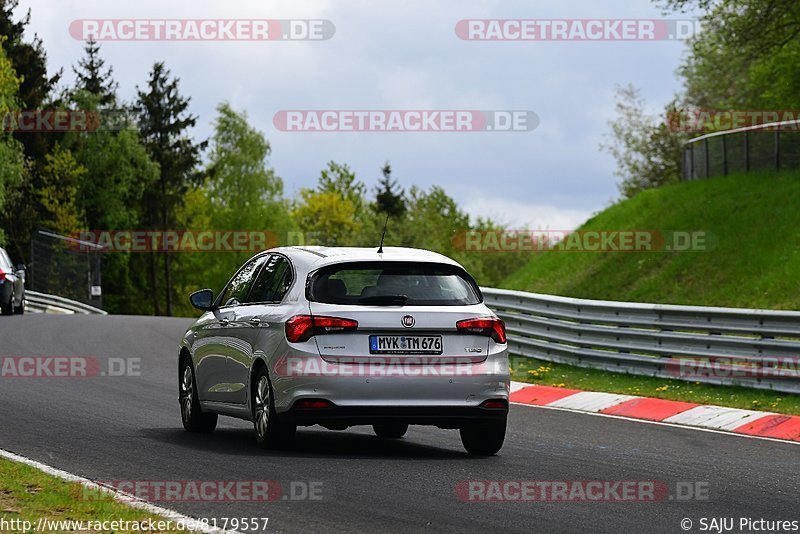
[(383, 235)]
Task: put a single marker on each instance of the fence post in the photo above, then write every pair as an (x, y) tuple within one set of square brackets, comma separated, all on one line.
[(705, 156), (778, 148), (724, 155), (746, 151), (31, 267)]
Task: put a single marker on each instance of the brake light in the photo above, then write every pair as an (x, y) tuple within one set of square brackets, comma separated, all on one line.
[(494, 404), (2, 276), (484, 326), (304, 327)]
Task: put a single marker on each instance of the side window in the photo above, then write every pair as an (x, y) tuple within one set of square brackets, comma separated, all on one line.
[(273, 281), (238, 287)]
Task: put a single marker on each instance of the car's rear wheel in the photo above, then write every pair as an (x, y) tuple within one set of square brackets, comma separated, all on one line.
[(8, 307), (271, 433), (390, 430), (19, 310), (484, 439), (194, 420)]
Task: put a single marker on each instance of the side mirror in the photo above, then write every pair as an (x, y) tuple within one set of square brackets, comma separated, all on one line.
[(203, 299)]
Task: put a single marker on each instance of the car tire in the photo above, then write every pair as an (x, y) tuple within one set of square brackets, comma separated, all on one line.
[(20, 310), (8, 308), (484, 439), (194, 420), (271, 433), (390, 430)]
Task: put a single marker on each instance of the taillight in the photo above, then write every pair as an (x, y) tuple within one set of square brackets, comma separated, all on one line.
[(494, 404), (2, 276), (484, 326), (304, 327)]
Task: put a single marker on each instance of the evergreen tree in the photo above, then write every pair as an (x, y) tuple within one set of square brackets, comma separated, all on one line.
[(388, 199), (93, 78), (164, 124)]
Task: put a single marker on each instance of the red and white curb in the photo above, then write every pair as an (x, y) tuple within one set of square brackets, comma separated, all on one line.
[(747, 422)]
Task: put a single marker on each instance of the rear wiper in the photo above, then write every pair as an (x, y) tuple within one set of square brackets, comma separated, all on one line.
[(389, 300)]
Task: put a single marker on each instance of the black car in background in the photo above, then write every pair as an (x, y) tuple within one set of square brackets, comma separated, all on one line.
[(12, 286)]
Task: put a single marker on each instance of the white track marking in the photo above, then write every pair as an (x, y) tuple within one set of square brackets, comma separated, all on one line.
[(591, 401), (716, 417), (122, 497)]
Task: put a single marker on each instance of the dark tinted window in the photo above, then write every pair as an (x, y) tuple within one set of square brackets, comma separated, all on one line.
[(273, 281), (237, 289), (420, 284)]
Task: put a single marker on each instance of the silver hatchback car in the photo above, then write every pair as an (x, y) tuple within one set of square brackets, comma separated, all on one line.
[(339, 337)]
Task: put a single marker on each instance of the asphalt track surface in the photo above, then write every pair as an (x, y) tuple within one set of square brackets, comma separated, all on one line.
[(129, 428)]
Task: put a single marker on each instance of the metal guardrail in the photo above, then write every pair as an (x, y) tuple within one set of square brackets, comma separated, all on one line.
[(771, 146), (45, 303), (751, 348)]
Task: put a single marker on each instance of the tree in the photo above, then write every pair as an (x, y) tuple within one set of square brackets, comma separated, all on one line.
[(240, 181), (61, 175), (241, 193), (647, 150), (388, 200), (29, 61), (93, 78), (11, 156), (164, 128), (335, 211), (746, 55), (328, 216)]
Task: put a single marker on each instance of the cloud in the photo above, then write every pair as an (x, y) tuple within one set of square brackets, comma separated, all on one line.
[(518, 215), (404, 55)]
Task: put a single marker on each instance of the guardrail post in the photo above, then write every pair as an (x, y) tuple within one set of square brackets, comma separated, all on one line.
[(691, 161), (778, 148), (705, 156)]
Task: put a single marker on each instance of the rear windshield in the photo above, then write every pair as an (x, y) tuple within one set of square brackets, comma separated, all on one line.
[(393, 283)]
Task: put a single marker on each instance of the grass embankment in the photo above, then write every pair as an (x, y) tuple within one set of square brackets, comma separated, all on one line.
[(751, 259), (27, 494), (752, 256)]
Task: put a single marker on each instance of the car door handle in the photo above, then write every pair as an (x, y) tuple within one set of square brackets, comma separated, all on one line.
[(224, 322), (255, 321)]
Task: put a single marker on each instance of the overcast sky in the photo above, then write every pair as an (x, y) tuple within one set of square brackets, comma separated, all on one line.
[(406, 55)]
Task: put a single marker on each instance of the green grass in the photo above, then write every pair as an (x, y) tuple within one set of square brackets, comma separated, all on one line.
[(753, 258), (29, 494), (553, 374)]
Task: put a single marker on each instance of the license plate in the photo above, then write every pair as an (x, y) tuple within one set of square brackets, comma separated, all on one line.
[(405, 344)]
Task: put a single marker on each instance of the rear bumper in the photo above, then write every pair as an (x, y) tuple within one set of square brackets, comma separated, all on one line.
[(441, 416)]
